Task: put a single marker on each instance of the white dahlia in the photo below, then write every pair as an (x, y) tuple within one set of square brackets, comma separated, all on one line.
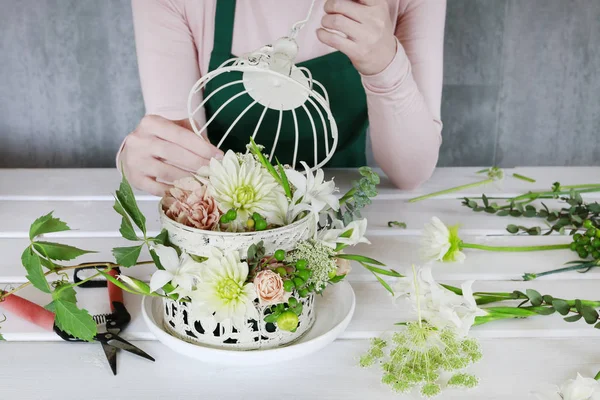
[(223, 290), (243, 184)]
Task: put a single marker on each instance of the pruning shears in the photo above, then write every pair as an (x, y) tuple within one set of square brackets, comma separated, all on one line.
[(109, 325)]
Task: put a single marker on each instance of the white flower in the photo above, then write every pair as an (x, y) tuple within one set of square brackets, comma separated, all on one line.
[(350, 235), (574, 389), (245, 185), (223, 290), (437, 305), (440, 243), (183, 272), (312, 192)]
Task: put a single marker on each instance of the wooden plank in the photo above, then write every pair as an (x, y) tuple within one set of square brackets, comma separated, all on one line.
[(99, 184), (98, 219), (398, 252), (330, 374), (375, 312)]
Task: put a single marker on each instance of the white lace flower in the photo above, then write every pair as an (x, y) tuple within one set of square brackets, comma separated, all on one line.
[(223, 290), (437, 305), (350, 235), (440, 243), (312, 192), (245, 185), (574, 389), (183, 272)]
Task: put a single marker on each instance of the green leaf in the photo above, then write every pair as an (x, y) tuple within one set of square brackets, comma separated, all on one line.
[(396, 224), (382, 271), (360, 259), (65, 293), (383, 283), (502, 213), (545, 310), (523, 177), (548, 299), (32, 263), (2, 338), (561, 306), (263, 160), (74, 321), (59, 251), (161, 238), (578, 305), (51, 307), (127, 256), (590, 315), (534, 297), (512, 228), (597, 326), (573, 318), (126, 229), (126, 198), (47, 224), (284, 180)]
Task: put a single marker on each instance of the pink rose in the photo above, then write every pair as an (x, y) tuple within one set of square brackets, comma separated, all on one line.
[(188, 203), (269, 287), (343, 266)]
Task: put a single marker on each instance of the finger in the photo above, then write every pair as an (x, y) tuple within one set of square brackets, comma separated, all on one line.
[(343, 24), (345, 45), (150, 185), (176, 134), (370, 2), (348, 8), (164, 172), (177, 156)]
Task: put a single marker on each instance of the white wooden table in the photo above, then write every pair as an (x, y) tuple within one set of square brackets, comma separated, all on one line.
[(519, 356)]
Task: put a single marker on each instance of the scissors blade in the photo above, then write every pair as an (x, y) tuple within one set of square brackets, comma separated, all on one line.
[(111, 356), (117, 342)]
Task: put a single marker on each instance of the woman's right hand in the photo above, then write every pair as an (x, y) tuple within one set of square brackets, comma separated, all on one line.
[(160, 151)]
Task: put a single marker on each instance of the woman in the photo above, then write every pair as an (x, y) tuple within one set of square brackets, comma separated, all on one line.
[(393, 84)]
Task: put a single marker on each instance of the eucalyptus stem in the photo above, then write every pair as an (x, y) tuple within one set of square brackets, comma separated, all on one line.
[(451, 190), (531, 276), (464, 245), (553, 194), (60, 269)]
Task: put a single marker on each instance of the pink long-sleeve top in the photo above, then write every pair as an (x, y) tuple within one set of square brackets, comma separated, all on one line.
[(174, 40)]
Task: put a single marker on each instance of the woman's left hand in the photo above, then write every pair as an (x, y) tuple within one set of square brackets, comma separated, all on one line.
[(370, 42)]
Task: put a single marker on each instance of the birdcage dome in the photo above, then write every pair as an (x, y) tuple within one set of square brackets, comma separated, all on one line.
[(272, 93)]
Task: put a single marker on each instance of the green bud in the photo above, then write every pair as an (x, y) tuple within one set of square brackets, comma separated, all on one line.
[(596, 255), (250, 223), (585, 240), (287, 321), (577, 236), (256, 217), (587, 224), (304, 274), (231, 214), (288, 285), (301, 264), (332, 274), (591, 232), (598, 233), (224, 219), (298, 282), (261, 225), (573, 246), (281, 271), (303, 292), (279, 255), (292, 302), (583, 253)]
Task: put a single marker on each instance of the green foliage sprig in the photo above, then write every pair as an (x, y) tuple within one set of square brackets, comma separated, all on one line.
[(359, 196), (278, 174), (41, 259)]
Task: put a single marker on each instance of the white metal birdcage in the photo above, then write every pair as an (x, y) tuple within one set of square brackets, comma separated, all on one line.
[(273, 81)]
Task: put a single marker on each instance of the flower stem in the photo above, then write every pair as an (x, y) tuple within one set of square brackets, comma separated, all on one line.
[(524, 178), (532, 276), (514, 248), (62, 269), (451, 190)]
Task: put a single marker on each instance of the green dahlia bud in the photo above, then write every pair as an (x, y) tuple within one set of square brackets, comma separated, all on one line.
[(287, 321)]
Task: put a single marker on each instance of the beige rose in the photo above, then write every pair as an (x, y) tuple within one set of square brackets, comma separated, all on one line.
[(269, 287), (188, 203), (343, 266)]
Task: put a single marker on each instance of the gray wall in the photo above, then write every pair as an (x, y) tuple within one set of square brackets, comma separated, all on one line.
[(522, 82)]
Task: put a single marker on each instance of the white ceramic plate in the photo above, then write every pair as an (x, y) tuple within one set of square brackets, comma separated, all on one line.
[(334, 311)]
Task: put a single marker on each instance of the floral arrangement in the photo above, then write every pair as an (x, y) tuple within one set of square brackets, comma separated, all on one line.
[(240, 193)]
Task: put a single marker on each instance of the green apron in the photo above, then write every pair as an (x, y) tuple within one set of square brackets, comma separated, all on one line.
[(335, 71)]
